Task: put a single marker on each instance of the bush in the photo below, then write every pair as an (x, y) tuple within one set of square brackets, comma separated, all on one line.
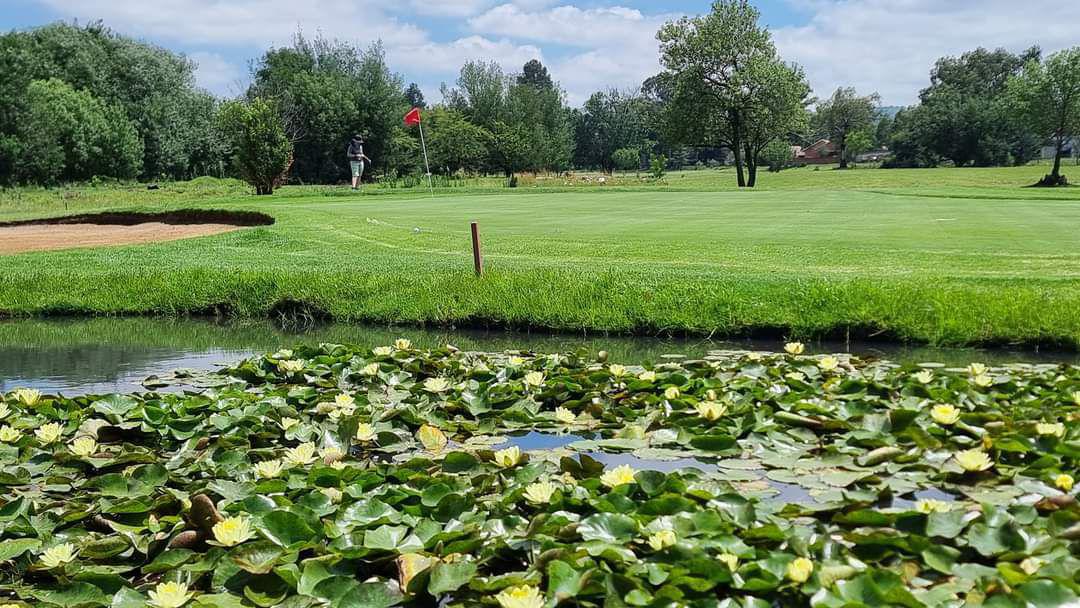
[(777, 156), (626, 159), (657, 167), (262, 153)]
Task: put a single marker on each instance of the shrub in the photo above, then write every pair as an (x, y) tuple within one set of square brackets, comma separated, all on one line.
[(262, 153)]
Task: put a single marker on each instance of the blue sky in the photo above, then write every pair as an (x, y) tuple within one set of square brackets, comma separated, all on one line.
[(887, 46)]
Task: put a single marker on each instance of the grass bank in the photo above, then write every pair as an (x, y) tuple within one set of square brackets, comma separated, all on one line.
[(815, 253)]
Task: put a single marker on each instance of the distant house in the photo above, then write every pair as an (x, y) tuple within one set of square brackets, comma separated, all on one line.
[(873, 156), (1072, 148), (821, 151)]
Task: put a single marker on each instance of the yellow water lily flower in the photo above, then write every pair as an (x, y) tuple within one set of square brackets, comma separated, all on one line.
[(333, 494), (403, 344), (27, 396), (982, 380), (1076, 397), (83, 446), (232, 531), (371, 369), (662, 539), (431, 438), (925, 376), (796, 376), (1064, 482), (976, 369), (382, 351), (345, 401), (331, 453), (1050, 429), (1032, 565), (58, 555), (945, 414), (930, 505), (647, 375), (436, 385), (365, 432), (4, 410), (618, 476), (303, 454), (269, 469), (828, 363), (710, 410), (169, 595), (49, 433), (535, 379), (9, 435), (730, 560), (291, 366), (671, 392), (508, 457), (564, 415), (338, 465), (794, 348), (523, 596), (800, 569), (973, 460), (287, 423), (617, 370), (285, 353), (540, 492), (516, 361)]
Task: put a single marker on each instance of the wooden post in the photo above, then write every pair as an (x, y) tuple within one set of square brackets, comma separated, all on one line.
[(478, 260)]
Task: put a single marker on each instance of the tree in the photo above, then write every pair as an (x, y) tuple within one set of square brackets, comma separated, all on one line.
[(65, 134), (731, 88), (454, 143), (153, 88), (843, 114), (534, 74), (961, 115), (327, 91), (858, 142), (1046, 98), (414, 96), (261, 151), (777, 155), (626, 159), (480, 93), (609, 120)]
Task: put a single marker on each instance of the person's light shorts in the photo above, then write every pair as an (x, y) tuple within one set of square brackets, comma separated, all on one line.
[(357, 167)]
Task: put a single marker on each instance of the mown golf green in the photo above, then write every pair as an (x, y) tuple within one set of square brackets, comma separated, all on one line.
[(814, 252)]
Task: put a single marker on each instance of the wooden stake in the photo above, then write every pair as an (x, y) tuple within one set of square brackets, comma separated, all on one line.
[(478, 260)]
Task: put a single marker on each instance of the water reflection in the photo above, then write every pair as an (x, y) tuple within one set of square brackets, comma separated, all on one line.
[(114, 354)]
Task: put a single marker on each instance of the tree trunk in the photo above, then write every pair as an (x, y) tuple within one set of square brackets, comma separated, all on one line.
[(737, 150), (1055, 174), (843, 152), (751, 166)]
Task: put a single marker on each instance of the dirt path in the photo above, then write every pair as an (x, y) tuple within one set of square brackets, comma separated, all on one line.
[(44, 237)]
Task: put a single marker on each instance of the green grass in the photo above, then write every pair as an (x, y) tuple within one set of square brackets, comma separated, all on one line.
[(947, 256)]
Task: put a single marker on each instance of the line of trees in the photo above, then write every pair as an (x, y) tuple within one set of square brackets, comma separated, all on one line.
[(83, 102)]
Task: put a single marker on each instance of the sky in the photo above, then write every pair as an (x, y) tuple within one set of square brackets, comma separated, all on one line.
[(882, 46)]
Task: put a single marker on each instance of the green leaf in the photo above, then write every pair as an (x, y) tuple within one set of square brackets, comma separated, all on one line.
[(16, 547), (1047, 594), (614, 527), (392, 538), (286, 528), (565, 581), (257, 557), (450, 577)]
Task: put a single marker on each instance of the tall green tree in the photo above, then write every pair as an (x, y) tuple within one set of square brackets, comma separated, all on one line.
[(153, 88), (844, 113), (69, 135), (609, 121), (454, 143), (261, 150), (731, 87), (415, 96), (1046, 97), (480, 93), (327, 91)]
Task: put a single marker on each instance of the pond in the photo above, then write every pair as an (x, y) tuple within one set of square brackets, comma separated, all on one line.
[(106, 355)]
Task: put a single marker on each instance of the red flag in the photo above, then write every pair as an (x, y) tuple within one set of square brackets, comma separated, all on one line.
[(413, 117)]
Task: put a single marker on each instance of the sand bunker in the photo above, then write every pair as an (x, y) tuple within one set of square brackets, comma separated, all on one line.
[(106, 229)]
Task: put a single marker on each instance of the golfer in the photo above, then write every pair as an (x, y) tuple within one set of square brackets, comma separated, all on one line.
[(356, 159)]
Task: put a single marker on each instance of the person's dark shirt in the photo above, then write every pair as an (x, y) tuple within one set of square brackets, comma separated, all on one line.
[(356, 150)]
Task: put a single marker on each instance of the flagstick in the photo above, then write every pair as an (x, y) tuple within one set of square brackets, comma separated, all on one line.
[(426, 166)]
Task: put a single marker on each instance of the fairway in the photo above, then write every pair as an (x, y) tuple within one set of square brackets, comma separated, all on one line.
[(946, 264)]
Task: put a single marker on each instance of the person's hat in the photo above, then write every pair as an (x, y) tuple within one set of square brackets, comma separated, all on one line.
[(358, 137)]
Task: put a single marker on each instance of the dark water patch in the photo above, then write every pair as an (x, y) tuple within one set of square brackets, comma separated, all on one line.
[(534, 440)]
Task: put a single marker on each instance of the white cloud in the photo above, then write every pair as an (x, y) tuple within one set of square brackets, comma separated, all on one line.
[(447, 57), (889, 46), (216, 74), (617, 45)]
